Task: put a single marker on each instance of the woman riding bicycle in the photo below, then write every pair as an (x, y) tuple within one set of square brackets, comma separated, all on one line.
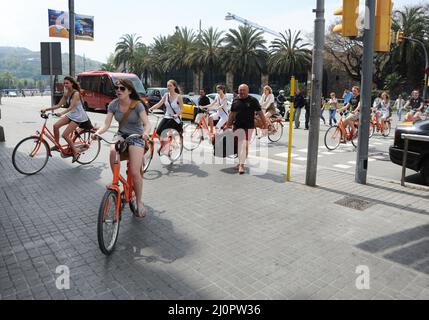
[(173, 102), (129, 110), (75, 115), (222, 106), (383, 110)]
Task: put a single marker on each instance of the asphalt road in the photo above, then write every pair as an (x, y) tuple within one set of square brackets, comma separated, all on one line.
[(24, 112)]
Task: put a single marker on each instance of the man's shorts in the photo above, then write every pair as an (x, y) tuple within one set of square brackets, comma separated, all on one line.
[(353, 117)]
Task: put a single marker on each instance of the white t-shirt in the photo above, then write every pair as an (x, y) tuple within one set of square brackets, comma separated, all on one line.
[(266, 101)]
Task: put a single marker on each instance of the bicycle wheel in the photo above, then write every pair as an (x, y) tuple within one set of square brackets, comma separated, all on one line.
[(355, 139), (276, 132), (193, 135), (108, 224), (90, 149), (371, 130), (30, 156), (175, 145), (148, 156), (387, 129), (333, 138)]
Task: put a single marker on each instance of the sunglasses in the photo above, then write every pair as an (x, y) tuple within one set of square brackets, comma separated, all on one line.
[(122, 88)]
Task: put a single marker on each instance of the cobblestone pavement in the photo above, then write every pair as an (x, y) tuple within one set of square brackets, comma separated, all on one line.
[(212, 234)]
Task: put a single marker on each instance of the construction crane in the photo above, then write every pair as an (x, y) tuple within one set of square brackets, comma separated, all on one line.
[(246, 22)]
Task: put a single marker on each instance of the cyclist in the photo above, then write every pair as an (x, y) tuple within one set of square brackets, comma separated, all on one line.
[(354, 107), (416, 106), (75, 115), (129, 110), (173, 102), (383, 110), (222, 106)]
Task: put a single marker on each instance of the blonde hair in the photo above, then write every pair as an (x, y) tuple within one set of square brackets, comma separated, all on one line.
[(270, 90)]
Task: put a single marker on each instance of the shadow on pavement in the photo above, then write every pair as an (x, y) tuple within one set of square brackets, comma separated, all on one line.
[(50, 220), (409, 248)]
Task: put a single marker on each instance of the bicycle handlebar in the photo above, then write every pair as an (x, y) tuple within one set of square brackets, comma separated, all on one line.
[(126, 140), (47, 115)]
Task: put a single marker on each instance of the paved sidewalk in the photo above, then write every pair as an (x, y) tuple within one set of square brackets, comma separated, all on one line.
[(212, 234)]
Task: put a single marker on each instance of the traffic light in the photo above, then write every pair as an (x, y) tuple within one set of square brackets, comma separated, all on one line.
[(383, 25), (350, 15), (400, 37)]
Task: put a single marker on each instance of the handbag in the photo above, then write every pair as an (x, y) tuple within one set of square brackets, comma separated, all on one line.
[(225, 145), (125, 156)]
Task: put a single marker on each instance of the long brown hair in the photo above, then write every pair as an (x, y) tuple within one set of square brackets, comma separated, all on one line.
[(134, 94), (176, 86), (75, 84)]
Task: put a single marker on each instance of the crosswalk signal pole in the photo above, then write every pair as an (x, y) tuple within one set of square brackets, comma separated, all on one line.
[(365, 112), (316, 94), (291, 118)]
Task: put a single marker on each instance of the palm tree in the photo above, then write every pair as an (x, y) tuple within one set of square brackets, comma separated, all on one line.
[(156, 62), (207, 51), (408, 56), (109, 65), (245, 51), (126, 49), (180, 46), (289, 54), (139, 63)]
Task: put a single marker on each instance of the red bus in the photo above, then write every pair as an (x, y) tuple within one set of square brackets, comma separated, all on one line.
[(98, 88)]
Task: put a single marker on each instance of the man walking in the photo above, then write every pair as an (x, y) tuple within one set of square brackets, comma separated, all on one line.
[(242, 118), (299, 104)]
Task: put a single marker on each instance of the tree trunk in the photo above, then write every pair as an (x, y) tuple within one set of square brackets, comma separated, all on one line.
[(230, 81), (264, 81)]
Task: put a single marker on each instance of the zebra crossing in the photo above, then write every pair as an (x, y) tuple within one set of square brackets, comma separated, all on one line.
[(378, 152)]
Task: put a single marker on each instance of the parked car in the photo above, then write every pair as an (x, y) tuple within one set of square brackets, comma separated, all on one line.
[(154, 95), (189, 111), (12, 94), (418, 154)]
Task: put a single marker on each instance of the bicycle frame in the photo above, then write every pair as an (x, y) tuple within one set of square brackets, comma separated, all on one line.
[(127, 184), (64, 149)]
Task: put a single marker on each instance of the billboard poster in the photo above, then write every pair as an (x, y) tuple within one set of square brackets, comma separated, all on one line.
[(59, 25)]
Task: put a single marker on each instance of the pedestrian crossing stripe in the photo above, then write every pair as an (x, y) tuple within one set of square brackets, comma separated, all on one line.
[(286, 155), (342, 166)]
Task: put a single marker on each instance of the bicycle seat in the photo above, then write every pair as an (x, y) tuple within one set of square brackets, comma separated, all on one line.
[(121, 146)]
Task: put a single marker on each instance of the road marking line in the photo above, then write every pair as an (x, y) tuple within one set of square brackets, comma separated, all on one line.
[(379, 157), (328, 153), (352, 162), (303, 150), (342, 166), (285, 155), (300, 159)]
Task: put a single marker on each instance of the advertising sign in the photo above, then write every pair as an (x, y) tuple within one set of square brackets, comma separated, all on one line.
[(59, 25)]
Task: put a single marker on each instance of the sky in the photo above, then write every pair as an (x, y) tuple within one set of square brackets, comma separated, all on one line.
[(24, 23)]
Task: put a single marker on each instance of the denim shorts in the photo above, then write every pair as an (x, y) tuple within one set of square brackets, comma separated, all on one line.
[(136, 142)]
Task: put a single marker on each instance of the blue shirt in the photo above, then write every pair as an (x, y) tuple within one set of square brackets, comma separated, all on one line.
[(348, 97)]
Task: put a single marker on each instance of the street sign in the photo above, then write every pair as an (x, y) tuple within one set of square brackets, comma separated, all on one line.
[(51, 58)]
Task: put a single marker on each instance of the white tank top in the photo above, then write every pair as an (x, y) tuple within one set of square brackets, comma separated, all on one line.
[(170, 105)]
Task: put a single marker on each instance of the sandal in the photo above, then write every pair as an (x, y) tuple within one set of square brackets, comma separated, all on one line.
[(241, 170), (75, 157)]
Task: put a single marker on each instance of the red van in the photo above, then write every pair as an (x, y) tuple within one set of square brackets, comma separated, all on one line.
[(98, 88)]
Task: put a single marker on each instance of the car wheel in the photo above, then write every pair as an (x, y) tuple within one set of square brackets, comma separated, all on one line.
[(425, 171)]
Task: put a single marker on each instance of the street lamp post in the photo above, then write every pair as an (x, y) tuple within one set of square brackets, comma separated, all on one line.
[(72, 63)]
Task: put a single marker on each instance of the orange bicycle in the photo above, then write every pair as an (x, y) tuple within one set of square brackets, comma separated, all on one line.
[(31, 155), (340, 134), (173, 144), (115, 199), (376, 125), (194, 132)]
